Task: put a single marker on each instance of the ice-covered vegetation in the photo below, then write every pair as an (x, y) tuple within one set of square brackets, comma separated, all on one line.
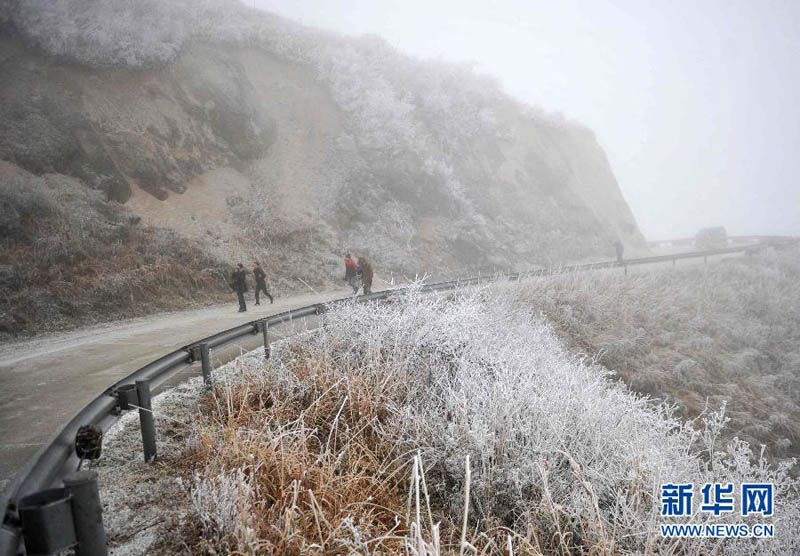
[(265, 140), (357, 438), (68, 255), (391, 95), (725, 332), (154, 32), (431, 135)]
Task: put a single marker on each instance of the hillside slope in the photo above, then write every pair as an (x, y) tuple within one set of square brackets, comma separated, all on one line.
[(260, 139)]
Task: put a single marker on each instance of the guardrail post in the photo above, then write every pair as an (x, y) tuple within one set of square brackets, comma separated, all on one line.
[(87, 513), (626, 268), (263, 327), (146, 421), (61, 518), (205, 362), (47, 525), (321, 309), (9, 540)]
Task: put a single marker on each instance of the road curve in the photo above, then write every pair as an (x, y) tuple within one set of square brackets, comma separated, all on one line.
[(45, 381)]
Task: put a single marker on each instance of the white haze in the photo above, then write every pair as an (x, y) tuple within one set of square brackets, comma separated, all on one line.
[(695, 103)]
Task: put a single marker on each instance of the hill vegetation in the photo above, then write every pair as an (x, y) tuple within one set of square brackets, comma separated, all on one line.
[(70, 257), (258, 138)]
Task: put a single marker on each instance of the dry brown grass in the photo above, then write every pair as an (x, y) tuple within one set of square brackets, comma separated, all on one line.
[(325, 471), (321, 471)]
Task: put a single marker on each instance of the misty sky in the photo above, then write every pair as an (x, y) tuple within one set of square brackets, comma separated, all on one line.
[(696, 103)]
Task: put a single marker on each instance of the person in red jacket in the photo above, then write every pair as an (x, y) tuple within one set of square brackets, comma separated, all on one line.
[(350, 273)]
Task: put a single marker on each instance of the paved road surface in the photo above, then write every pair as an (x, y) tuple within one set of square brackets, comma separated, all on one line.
[(44, 382)]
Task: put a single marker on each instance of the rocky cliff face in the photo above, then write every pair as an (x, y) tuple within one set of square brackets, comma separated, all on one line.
[(292, 146)]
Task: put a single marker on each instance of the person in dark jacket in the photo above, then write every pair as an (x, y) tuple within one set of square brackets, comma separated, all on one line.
[(364, 270), (351, 273), (261, 283), (239, 285), (619, 248)]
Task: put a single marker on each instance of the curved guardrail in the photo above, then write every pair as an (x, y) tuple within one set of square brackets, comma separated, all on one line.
[(692, 241), (58, 459)]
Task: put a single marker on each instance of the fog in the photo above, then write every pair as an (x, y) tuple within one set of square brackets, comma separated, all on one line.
[(695, 103)]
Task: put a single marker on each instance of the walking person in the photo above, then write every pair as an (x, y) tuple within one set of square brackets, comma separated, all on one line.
[(239, 285), (261, 283), (619, 248), (364, 269), (351, 273)]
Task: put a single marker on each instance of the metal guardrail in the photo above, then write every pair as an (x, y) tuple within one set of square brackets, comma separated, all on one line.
[(732, 240), (56, 462)]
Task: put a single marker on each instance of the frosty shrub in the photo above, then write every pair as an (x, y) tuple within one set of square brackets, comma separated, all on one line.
[(562, 457)]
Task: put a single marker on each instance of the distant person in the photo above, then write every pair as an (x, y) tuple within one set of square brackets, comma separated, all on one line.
[(619, 248), (261, 283), (351, 273), (239, 285), (364, 269)]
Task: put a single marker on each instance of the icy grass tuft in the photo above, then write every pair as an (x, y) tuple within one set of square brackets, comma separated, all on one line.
[(224, 505)]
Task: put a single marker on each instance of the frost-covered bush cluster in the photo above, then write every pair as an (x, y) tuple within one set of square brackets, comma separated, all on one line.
[(563, 458), (726, 332)]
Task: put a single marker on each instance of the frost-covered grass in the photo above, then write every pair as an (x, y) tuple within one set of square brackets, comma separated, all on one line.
[(80, 259), (354, 439), (725, 332)]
